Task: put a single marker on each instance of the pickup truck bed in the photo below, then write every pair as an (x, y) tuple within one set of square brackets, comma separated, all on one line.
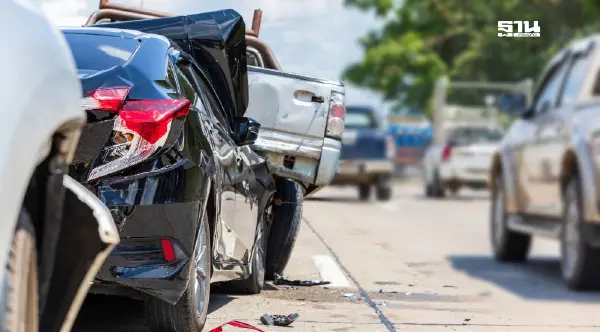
[(293, 111)]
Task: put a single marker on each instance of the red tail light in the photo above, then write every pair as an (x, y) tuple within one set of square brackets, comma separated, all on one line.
[(168, 251), (446, 153), (140, 128), (337, 113), (106, 99)]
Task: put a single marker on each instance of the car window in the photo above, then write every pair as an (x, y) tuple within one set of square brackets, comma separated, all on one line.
[(470, 135), (358, 120), (547, 94), (575, 77), (211, 104), (94, 53)]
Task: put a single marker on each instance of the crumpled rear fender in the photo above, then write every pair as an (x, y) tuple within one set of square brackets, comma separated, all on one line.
[(88, 234)]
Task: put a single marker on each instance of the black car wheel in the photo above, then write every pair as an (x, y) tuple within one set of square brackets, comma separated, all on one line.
[(508, 245), (437, 186), (579, 261), (287, 217), (364, 192), (189, 314)]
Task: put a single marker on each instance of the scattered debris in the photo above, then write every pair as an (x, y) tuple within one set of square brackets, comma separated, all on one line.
[(352, 296), (286, 287), (280, 280), (278, 320), (235, 323)]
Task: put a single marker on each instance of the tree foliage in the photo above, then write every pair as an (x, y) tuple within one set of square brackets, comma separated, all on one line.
[(424, 39)]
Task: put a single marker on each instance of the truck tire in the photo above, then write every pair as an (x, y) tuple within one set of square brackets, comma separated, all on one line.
[(285, 227), (384, 193), (507, 245), (364, 192), (190, 312), (580, 264), (21, 282)]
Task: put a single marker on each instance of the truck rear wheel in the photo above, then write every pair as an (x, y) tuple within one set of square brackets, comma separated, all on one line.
[(285, 226), (579, 261), (364, 192), (22, 279)]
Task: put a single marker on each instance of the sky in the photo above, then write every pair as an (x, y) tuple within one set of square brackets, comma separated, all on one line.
[(309, 37)]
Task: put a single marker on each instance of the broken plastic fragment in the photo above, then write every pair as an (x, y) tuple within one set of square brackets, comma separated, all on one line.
[(278, 320), (280, 280)]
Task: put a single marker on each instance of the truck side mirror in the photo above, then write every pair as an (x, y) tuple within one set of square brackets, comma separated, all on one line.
[(245, 131)]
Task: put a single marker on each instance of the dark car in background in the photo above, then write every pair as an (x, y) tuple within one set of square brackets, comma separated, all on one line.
[(367, 154), (167, 149)]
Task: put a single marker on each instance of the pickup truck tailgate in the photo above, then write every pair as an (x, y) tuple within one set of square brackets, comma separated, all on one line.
[(293, 111)]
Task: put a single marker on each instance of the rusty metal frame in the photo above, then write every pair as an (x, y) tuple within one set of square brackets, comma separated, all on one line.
[(119, 12)]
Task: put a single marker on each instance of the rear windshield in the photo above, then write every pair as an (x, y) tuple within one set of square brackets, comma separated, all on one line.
[(470, 135), (359, 119), (94, 53)]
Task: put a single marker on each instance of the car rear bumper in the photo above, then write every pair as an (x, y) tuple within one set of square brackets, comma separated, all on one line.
[(148, 211), (138, 260), (330, 156), (362, 171), (464, 175)]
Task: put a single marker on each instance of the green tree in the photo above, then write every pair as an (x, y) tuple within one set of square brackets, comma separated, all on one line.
[(424, 39)]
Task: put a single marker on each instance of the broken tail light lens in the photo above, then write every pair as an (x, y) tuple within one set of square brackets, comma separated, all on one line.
[(337, 114), (140, 128)]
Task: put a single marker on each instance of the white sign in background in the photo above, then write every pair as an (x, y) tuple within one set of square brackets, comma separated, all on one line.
[(523, 29)]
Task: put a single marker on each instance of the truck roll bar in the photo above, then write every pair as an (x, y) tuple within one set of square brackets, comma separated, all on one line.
[(118, 12)]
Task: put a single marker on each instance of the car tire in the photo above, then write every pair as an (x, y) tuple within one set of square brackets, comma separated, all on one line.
[(21, 281), (438, 188), (507, 245), (384, 192), (190, 312), (428, 190), (580, 267), (285, 226), (364, 192)]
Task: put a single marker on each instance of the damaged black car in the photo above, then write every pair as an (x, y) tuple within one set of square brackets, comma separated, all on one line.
[(167, 149)]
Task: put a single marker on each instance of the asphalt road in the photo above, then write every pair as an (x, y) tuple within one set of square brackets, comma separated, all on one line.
[(410, 264)]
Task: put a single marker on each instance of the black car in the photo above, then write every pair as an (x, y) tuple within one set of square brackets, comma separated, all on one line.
[(166, 148)]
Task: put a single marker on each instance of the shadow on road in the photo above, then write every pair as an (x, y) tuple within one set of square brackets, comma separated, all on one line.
[(537, 279), (456, 198), (101, 313), (334, 199)]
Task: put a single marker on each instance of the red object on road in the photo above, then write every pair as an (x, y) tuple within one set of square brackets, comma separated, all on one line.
[(235, 325)]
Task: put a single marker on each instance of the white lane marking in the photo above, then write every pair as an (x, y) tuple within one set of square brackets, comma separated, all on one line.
[(330, 271)]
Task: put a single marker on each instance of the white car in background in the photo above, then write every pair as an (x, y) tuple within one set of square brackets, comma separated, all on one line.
[(461, 159), (48, 258)]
